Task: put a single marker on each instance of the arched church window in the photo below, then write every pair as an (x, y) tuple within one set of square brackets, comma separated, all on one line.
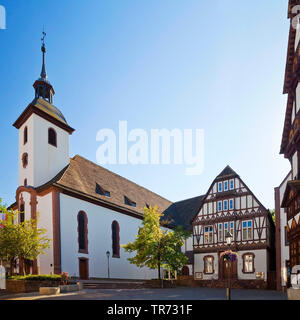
[(52, 137), (25, 135), (82, 232), (25, 182), (25, 160), (115, 228)]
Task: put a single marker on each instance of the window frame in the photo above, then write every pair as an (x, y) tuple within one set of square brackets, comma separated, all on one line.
[(225, 208), (244, 262), (85, 232), (225, 183), (25, 135), (231, 181), (205, 269), (247, 228), (231, 201), (54, 144), (220, 202), (220, 231), (220, 184), (210, 234)]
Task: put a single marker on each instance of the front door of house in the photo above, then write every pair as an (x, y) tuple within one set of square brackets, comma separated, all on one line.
[(227, 269), (83, 269)]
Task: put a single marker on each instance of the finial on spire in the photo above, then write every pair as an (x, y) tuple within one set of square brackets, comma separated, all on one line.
[(43, 72)]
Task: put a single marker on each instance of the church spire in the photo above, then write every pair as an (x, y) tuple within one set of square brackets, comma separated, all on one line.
[(43, 88), (43, 72)]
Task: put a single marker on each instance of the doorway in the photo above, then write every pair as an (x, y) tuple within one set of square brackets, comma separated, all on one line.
[(84, 268), (227, 269)]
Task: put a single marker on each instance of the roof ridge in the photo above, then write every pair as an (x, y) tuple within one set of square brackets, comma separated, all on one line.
[(95, 164), (202, 195)]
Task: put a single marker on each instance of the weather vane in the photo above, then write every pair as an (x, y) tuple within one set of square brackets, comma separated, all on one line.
[(43, 38)]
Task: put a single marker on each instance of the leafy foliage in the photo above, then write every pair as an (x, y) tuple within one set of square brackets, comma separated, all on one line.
[(155, 247), (273, 215), (32, 277), (23, 241)]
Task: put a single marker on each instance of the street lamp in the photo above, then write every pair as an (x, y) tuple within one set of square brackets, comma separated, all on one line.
[(228, 238), (107, 254)]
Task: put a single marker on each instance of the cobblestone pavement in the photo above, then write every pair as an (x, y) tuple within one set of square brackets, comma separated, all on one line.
[(157, 294)]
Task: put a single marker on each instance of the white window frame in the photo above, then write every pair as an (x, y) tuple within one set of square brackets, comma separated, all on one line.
[(225, 183), (208, 235), (231, 180), (220, 186), (220, 202), (225, 207), (231, 228), (231, 201), (220, 232), (249, 230)]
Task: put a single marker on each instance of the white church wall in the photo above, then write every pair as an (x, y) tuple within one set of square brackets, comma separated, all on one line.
[(99, 240), (45, 219)]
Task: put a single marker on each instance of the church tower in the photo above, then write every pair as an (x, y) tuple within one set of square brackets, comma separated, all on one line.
[(43, 135)]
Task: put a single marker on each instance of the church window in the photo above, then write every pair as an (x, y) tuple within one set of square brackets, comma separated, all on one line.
[(115, 228), (129, 202), (101, 191), (248, 263), (52, 137), (247, 230), (22, 213), (82, 232), (208, 264), (25, 182), (25, 135), (25, 160)]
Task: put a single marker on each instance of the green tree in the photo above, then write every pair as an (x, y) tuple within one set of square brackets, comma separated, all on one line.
[(155, 247), (20, 240), (273, 215)]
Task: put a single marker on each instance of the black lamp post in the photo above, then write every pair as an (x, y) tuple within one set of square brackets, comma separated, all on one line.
[(107, 254), (228, 238)]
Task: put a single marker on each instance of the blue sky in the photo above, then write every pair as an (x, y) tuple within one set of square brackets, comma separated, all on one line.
[(213, 65)]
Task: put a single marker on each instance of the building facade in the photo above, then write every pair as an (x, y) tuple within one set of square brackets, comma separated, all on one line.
[(230, 206), (290, 143)]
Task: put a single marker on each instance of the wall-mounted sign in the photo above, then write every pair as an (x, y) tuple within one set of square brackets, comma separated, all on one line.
[(198, 275), (259, 275)]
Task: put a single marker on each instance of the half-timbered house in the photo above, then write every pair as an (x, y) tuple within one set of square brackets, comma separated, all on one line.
[(290, 143), (229, 205)]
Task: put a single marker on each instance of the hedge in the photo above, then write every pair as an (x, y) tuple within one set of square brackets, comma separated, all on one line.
[(41, 277)]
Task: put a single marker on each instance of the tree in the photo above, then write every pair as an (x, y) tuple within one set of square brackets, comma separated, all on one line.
[(20, 240), (155, 247), (273, 215)]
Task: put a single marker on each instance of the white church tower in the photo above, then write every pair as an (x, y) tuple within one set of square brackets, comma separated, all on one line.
[(43, 135)]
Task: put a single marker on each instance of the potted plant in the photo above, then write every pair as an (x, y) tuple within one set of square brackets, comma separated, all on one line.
[(65, 278)]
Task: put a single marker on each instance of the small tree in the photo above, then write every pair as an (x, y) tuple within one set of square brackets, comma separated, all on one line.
[(20, 240), (156, 248)]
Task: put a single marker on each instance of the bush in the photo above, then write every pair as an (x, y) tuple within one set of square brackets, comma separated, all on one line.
[(41, 277)]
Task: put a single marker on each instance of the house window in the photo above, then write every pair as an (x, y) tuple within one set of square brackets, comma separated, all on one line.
[(247, 230), (219, 205), (208, 234), (231, 204), (208, 264), (129, 202), (25, 135), (25, 160), (22, 213), (225, 205), (248, 263), (220, 232), (219, 186), (231, 184), (82, 232), (225, 185), (52, 137), (286, 236), (232, 229), (115, 228)]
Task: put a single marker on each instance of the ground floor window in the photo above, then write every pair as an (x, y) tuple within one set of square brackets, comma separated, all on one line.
[(248, 262), (208, 264)]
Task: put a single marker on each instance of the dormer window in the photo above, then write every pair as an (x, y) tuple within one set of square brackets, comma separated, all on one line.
[(52, 137), (25, 137), (129, 202), (101, 191)]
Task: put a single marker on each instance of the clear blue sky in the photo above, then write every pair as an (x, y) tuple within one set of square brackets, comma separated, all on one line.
[(216, 65)]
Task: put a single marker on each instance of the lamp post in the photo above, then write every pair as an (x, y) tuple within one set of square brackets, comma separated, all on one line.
[(107, 254), (228, 238)]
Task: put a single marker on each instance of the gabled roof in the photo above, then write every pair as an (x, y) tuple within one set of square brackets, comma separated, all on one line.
[(226, 173), (82, 176), (181, 213)]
